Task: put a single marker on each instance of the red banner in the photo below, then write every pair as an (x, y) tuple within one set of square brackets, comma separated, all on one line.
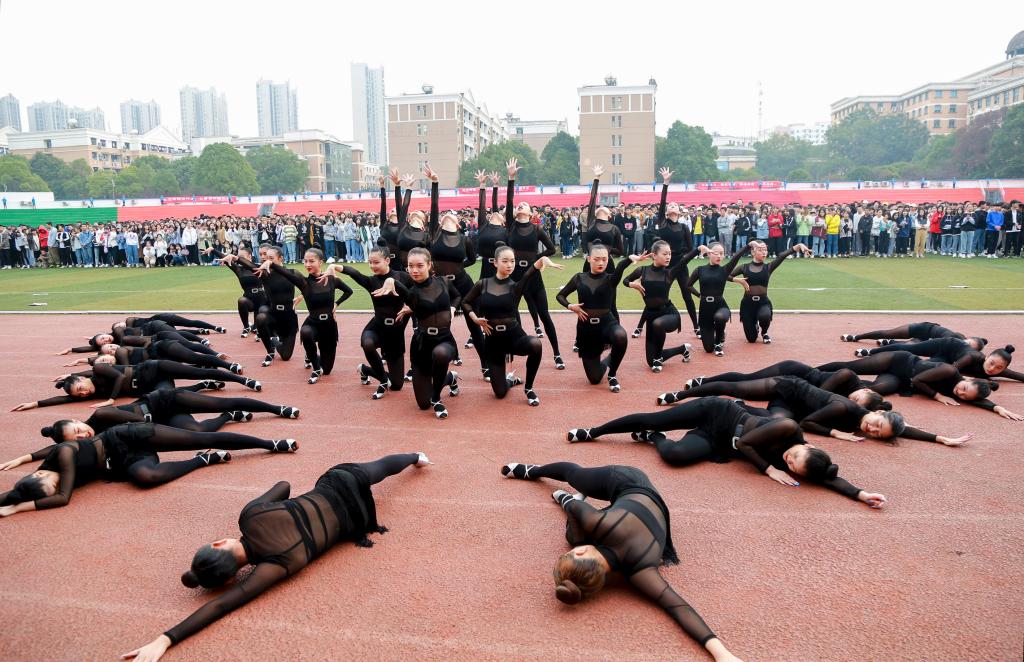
[(204, 199), (519, 189), (736, 186)]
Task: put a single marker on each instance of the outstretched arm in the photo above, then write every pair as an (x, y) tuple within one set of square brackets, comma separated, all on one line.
[(650, 582)]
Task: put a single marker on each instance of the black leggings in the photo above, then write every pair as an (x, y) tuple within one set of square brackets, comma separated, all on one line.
[(691, 309), (537, 303), (712, 328), (388, 466), (595, 367), (916, 330), (185, 404), (840, 381), (271, 323), (151, 471), (880, 365), (463, 284), (657, 332), (755, 316), (188, 352), (371, 342), (178, 320), (170, 370), (246, 306), (430, 372), (528, 346), (320, 342), (755, 389), (595, 482)]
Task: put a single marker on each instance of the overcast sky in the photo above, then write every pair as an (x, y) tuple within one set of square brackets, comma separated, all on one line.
[(526, 57)]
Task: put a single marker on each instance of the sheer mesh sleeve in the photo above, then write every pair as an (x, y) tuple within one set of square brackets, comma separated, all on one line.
[(650, 582), (67, 470), (278, 492), (263, 577)]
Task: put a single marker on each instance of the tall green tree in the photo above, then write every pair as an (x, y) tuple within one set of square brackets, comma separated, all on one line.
[(102, 184), (494, 158), (935, 159), (561, 157), (866, 138), (221, 170), (780, 154), (970, 154), (165, 183), (16, 175), (183, 170), (1006, 157), (278, 170), (157, 163), (687, 151)]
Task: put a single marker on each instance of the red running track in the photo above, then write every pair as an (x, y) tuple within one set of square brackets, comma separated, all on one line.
[(779, 573)]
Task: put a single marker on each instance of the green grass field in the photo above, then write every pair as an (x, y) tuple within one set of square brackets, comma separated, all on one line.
[(934, 283)]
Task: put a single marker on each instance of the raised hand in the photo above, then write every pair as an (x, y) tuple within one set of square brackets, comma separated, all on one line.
[(598, 171), (494, 178), (513, 167), (381, 181), (428, 173), (396, 179), (409, 180), (481, 178), (666, 174)]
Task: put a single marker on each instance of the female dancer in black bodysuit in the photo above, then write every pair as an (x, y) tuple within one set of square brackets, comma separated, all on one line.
[(389, 222), (493, 304), (843, 382), (714, 312), (412, 229), (383, 337), (654, 283), (600, 229), (118, 335), (960, 353), (174, 320), (452, 252), (253, 297), (108, 382), (821, 412), (904, 373), (173, 407), (492, 228), (721, 429), (523, 238), (432, 348), (277, 323), (319, 331), (143, 348), (678, 237), (756, 307), (280, 537), (126, 452), (597, 326), (631, 536), (914, 330)]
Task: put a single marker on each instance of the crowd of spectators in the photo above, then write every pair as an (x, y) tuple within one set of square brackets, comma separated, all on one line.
[(832, 231)]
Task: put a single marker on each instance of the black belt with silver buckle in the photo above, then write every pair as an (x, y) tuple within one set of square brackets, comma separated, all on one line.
[(593, 320), (256, 290), (323, 317), (755, 297), (501, 327), (280, 306), (449, 277), (491, 260), (135, 382), (391, 256), (710, 299), (431, 330), (736, 435), (524, 263), (390, 321)]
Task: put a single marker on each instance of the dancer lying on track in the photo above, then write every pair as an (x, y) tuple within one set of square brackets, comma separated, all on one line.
[(843, 382), (631, 536), (144, 348), (912, 331), (126, 452), (960, 353), (175, 320), (279, 537), (720, 429)]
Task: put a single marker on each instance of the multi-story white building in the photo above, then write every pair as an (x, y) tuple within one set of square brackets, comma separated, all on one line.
[(277, 108), (369, 113), (812, 133), (10, 112), (88, 118), (535, 133), (139, 116), (734, 152), (443, 130), (47, 116), (101, 150), (204, 113), (617, 131), (329, 161)]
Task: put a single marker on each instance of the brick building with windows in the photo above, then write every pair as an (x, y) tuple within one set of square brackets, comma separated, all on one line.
[(617, 131)]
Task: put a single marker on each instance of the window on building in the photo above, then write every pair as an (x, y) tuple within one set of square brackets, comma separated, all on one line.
[(925, 96), (421, 129), (92, 140), (93, 155), (47, 143), (988, 100), (617, 121), (952, 107), (617, 178), (880, 104), (938, 109), (925, 109), (113, 143), (952, 124), (1016, 94), (893, 106), (617, 103), (421, 110), (936, 124), (938, 94), (616, 140), (953, 94), (1006, 97), (421, 148)]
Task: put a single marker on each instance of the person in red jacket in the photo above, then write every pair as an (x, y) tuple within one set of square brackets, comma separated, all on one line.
[(44, 243), (935, 230), (775, 241)]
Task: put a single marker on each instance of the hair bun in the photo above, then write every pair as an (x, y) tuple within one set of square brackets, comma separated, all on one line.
[(993, 385), (885, 406), (832, 471), (58, 384), (1009, 349), (568, 592), (47, 431), (190, 579), (499, 244), (596, 242)]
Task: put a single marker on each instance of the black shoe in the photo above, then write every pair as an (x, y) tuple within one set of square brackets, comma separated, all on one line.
[(245, 332), (254, 385), (669, 398), (861, 352), (512, 380), (240, 416), (538, 331), (235, 368), (267, 360), (486, 374), (315, 376), (885, 341), (613, 385), (453, 383), (559, 363), (696, 332), (221, 329), (364, 374), (636, 332), (657, 365), (579, 434), (284, 446), (306, 363), (531, 398), (468, 344), (214, 457), (289, 412), (457, 361), (848, 337), (439, 410), (720, 349), (382, 389), (518, 471), (686, 356), (766, 339), (408, 375)]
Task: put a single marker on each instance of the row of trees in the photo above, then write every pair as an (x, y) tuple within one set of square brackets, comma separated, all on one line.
[(219, 170), (867, 146)]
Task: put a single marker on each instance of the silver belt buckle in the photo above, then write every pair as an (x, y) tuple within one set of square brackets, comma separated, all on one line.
[(280, 306), (391, 256), (593, 320), (432, 330), (501, 327), (524, 263), (449, 277), (254, 290), (755, 297), (323, 317), (491, 260), (389, 321), (135, 382), (709, 299)]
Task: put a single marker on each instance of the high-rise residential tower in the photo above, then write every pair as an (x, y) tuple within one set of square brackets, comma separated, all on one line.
[(277, 108), (10, 112), (140, 116), (369, 120), (204, 113)]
